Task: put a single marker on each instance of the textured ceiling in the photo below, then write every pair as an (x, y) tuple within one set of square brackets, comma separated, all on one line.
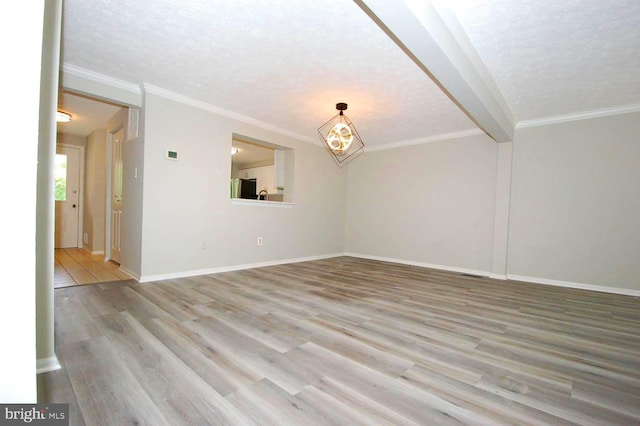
[(287, 63), (557, 57)]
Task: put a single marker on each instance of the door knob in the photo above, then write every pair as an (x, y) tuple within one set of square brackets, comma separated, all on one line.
[(74, 206)]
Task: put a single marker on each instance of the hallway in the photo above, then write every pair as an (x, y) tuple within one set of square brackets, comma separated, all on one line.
[(74, 266)]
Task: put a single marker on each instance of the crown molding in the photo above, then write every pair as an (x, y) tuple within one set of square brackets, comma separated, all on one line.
[(101, 78), (605, 112), (428, 139), (167, 94)]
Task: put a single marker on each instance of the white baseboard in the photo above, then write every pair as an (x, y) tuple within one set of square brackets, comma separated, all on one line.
[(533, 280), (502, 277), (92, 252), (44, 365), (569, 284), (130, 273), (184, 274), (421, 264)]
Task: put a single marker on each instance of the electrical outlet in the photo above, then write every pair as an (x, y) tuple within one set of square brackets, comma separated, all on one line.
[(259, 241), (85, 238)]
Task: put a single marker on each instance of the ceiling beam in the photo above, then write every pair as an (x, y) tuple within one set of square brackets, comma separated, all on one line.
[(436, 42)]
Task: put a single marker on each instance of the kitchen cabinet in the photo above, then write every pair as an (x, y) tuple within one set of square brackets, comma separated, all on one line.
[(264, 177), (247, 173)]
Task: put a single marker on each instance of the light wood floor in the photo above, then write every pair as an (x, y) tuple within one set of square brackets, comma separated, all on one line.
[(344, 341), (74, 266)]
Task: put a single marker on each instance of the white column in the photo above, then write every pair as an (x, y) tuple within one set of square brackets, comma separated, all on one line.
[(45, 206)]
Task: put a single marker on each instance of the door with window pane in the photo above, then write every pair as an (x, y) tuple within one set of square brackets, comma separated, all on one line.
[(67, 185)]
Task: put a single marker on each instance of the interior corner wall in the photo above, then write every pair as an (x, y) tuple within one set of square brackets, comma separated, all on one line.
[(189, 222), (575, 202), (431, 204), (95, 188)]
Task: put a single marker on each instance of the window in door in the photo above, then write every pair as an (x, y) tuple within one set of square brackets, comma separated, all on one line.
[(60, 175)]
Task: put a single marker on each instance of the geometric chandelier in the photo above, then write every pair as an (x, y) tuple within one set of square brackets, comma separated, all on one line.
[(340, 137)]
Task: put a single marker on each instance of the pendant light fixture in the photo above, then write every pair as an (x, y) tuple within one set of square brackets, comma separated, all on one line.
[(340, 137)]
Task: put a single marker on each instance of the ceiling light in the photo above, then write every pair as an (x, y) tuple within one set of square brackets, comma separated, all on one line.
[(234, 150), (340, 137), (63, 117)]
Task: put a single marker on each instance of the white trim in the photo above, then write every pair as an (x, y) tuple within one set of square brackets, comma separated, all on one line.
[(101, 78), (92, 252), (260, 203), (605, 112), (581, 286), (421, 264), (224, 112), (108, 196), (531, 280), (184, 274), (428, 139), (44, 365), (128, 272), (498, 276), (136, 90)]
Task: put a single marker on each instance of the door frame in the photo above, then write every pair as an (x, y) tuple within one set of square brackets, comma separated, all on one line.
[(80, 190)]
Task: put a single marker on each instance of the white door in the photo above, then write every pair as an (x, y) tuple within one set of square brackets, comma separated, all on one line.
[(116, 193), (67, 187)]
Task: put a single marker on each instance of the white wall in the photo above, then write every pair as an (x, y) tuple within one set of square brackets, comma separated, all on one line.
[(575, 202), (20, 88), (428, 204), (95, 188), (189, 223), (67, 139)]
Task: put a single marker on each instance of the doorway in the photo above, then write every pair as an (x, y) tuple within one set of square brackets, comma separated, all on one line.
[(90, 257)]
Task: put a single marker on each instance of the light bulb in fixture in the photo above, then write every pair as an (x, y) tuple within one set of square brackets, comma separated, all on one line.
[(63, 117), (234, 150), (339, 138)]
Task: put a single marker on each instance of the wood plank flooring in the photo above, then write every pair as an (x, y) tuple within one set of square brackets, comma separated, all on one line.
[(74, 266), (344, 341)]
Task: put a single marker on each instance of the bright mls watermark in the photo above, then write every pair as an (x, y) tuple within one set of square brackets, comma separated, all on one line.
[(34, 414)]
